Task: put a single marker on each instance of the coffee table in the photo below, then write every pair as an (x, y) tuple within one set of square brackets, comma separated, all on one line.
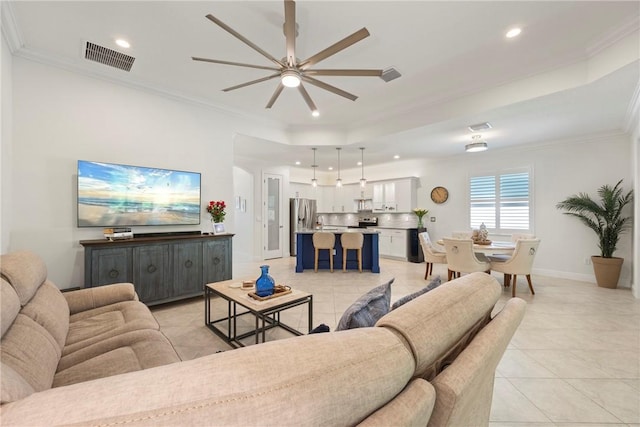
[(266, 313)]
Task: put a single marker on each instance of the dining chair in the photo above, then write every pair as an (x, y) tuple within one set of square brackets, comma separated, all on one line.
[(431, 253), (517, 236), (462, 259), (521, 262), (323, 240), (351, 241), (462, 234)]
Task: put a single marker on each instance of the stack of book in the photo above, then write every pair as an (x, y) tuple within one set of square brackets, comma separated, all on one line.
[(118, 233)]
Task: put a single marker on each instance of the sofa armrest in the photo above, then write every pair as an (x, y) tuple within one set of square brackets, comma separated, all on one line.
[(89, 298)]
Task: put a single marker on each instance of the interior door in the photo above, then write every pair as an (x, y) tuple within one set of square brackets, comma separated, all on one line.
[(272, 214)]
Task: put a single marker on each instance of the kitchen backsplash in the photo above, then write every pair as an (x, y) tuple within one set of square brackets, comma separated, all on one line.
[(391, 220)]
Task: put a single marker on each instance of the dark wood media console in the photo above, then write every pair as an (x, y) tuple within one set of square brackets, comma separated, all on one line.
[(162, 268)]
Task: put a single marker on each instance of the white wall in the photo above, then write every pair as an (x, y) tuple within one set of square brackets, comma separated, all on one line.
[(635, 143), (6, 95), (60, 117), (559, 169)]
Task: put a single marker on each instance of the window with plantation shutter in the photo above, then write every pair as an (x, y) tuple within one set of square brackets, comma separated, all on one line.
[(502, 202)]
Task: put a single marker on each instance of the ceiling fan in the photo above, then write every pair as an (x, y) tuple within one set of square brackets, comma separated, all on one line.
[(291, 71)]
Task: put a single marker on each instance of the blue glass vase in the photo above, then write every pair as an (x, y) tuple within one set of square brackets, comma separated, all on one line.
[(265, 283)]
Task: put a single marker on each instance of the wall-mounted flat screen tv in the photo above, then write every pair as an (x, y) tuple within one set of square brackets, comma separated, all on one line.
[(122, 195)]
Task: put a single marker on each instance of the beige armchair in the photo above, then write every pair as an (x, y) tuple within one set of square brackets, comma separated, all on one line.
[(462, 259), (520, 263), (431, 254)]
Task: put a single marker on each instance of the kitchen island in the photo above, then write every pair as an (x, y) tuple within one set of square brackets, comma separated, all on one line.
[(305, 251)]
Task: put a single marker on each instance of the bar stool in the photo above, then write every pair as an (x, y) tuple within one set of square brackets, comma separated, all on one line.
[(323, 240), (351, 241)]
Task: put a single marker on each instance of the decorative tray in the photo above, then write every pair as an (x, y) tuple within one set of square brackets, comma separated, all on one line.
[(278, 291)]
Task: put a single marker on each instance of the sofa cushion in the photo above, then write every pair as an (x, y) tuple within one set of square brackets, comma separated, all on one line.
[(31, 351), (90, 298), (405, 299), (10, 305), (25, 271), (92, 326), (446, 317), (49, 309), (14, 386), (367, 309), (131, 351)]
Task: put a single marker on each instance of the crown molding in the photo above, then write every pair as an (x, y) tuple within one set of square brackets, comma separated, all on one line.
[(633, 111), (10, 29), (128, 81), (614, 36)]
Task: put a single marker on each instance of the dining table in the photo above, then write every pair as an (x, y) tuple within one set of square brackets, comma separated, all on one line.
[(493, 248)]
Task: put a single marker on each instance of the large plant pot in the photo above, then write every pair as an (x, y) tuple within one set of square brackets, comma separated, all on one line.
[(607, 271)]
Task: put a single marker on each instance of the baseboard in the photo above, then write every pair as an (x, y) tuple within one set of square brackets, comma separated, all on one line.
[(590, 278)]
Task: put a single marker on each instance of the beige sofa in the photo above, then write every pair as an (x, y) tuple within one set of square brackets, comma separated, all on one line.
[(431, 361)]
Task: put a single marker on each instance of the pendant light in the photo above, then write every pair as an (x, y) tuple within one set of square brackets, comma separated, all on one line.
[(314, 181), (338, 181), (363, 180)]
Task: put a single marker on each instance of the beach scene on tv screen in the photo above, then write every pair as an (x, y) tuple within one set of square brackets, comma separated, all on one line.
[(119, 195)]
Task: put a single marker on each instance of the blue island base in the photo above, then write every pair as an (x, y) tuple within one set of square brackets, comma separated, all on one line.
[(306, 251)]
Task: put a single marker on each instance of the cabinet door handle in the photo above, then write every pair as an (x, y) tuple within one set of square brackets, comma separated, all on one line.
[(216, 261), (114, 273), (151, 268), (188, 263)]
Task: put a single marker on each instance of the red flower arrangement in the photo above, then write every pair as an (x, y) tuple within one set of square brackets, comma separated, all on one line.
[(216, 209)]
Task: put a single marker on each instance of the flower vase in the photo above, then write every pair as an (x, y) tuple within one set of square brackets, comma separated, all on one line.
[(420, 225), (265, 283)]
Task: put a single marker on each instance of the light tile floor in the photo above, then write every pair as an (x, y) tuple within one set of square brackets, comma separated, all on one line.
[(574, 361)]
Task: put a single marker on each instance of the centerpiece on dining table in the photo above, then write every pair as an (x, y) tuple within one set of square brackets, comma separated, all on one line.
[(481, 235)]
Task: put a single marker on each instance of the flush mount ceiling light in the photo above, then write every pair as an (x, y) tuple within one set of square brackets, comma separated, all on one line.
[(477, 145), (338, 181), (314, 181), (363, 181)]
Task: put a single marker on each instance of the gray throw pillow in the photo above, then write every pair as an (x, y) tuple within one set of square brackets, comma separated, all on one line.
[(367, 309), (405, 299)]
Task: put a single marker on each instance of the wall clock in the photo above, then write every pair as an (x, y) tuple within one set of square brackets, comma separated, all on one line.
[(439, 195)]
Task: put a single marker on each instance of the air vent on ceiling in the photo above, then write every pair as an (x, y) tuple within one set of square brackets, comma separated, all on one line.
[(480, 126), (390, 74), (110, 57)]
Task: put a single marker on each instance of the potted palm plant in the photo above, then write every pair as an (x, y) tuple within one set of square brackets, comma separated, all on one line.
[(605, 217)]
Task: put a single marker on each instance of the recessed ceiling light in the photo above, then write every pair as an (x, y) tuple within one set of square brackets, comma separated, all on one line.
[(330, 168), (123, 43), (315, 113), (514, 32), (297, 162), (359, 163), (396, 157)]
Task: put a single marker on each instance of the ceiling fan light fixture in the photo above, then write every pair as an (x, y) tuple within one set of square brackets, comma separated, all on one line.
[(290, 78)]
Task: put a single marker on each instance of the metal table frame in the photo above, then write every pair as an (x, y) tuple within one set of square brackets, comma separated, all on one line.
[(264, 319)]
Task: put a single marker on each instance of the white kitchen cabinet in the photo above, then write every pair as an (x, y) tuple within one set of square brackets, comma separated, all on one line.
[(406, 194), (338, 199), (392, 243), (395, 196), (303, 191)]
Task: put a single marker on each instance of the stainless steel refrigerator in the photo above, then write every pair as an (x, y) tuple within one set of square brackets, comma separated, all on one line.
[(302, 216)]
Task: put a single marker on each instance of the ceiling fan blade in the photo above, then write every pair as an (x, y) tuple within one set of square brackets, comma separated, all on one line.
[(275, 95), (263, 79), (243, 39), (290, 31), (330, 88), (352, 73), (334, 48), (238, 64), (307, 98)]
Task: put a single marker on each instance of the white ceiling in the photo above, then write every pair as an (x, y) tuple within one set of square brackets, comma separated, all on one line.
[(573, 71)]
